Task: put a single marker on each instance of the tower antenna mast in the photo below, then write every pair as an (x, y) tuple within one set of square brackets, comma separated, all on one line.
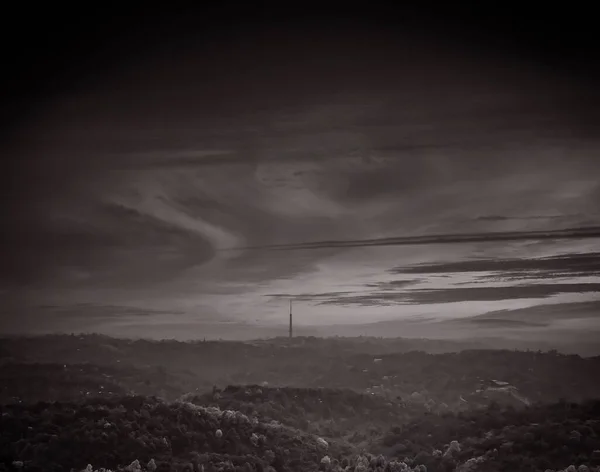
[(291, 330)]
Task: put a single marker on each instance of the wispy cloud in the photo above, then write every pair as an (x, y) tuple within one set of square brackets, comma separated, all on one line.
[(543, 314), (560, 265), (572, 233), (453, 295), (506, 218), (576, 322)]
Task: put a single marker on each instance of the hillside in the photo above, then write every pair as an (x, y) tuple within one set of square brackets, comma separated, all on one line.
[(35, 382), (184, 436), (540, 437), (342, 415), (116, 432), (70, 401), (170, 369)]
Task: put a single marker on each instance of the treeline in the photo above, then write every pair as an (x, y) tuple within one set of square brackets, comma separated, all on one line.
[(537, 438), (115, 432), (340, 414), (35, 382), (540, 376), (155, 435)]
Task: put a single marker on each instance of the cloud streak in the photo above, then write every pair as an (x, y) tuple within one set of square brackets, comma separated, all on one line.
[(561, 265), (453, 295), (571, 233)]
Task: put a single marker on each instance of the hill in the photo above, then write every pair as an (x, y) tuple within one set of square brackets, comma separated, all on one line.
[(271, 406), (341, 415), (145, 433), (540, 437), (116, 432), (451, 380)]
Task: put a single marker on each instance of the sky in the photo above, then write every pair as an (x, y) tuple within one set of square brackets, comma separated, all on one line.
[(389, 181)]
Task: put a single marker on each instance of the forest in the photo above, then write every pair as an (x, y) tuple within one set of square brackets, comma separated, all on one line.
[(89, 402)]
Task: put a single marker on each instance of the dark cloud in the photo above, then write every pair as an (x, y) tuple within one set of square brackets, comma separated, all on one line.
[(91, 312), (306, 296), (371, 299), (542, 314), (110, 243), (572, 233), (537, 319), (567, 265), (498, 293), (453, 295), (506, 218), (393, 284)]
